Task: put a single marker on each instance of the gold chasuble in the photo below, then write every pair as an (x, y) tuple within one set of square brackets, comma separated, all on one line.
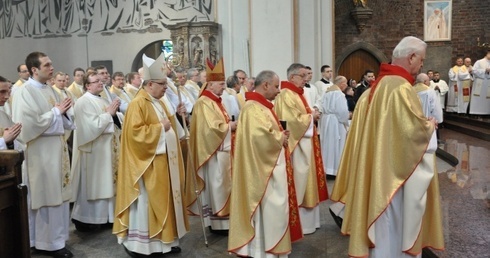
[(209, 128), (385, 149), (291, 106), (138, 160), (258, 148)]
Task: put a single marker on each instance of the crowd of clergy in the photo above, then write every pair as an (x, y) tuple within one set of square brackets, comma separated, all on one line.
[(140, 152)]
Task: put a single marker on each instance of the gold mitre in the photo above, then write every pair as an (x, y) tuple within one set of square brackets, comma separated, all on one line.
[(154, 69), (215, 73)]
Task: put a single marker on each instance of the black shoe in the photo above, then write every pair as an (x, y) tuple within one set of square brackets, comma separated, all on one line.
[(338, 220), (107, 225), (85, 227), (62, 253), (132, 254), (221, 232), (175, 250)]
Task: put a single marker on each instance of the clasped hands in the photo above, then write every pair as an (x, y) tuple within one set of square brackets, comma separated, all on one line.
[(10, 133), (64, 105), (112, 108)]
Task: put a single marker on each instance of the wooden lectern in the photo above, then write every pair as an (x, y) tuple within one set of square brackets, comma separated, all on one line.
[(14, 224)]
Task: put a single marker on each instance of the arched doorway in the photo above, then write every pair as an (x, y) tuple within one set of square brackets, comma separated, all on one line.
[(356, 63), (153, 50)]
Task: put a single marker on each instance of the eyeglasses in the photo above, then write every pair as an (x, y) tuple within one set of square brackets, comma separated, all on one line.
[(160, 83), (98, 81), (301, 75)]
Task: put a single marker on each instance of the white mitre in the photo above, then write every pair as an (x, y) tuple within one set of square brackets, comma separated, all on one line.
[(154, 69)]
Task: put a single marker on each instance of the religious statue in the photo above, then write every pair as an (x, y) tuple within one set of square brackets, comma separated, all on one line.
[(197, 51), (358, 3), (213, 52)]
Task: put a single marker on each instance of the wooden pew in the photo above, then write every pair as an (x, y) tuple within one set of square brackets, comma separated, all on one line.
[(14, 224)]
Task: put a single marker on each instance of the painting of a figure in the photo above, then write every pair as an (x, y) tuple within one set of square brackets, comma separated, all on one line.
[(437, 20)]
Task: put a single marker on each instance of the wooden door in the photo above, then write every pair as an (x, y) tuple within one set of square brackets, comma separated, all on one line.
[(354, 66)]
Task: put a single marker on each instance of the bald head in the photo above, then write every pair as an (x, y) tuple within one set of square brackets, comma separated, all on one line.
[(423, 78)]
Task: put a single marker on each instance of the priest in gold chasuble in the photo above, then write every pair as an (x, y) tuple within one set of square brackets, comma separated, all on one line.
[(150, 213), (264, 216), (210, 152), (304, 146), (386, 176)]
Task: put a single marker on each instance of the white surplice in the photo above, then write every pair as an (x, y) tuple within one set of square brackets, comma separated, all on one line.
[(334, 123), (431, 104), (92, 164), (47, 168), (480, 95), (443, 89)]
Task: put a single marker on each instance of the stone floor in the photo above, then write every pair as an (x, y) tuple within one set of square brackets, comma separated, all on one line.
[(465, 196), (464, 191), (325, 242)]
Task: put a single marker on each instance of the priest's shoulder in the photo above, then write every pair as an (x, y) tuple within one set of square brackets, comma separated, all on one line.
[(286, 96), (253, 107)]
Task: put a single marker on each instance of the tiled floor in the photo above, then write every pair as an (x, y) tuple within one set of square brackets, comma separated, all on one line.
[(465, 196)]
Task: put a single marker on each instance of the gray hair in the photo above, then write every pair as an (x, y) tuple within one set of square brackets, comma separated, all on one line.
[(264, 76), (191, 72), (292, 69), (409, 45), (421, 78), (179, 70)]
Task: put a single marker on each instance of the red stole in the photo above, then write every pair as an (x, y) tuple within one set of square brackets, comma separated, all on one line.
[(317, 151), (295, 230), (388, 69)]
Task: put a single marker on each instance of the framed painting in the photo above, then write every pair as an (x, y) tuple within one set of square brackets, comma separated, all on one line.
[(437, 20)]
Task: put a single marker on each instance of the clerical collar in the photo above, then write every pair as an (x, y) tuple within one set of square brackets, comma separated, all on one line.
[(259, 98), (36, 84), (307, 85), (389, 69), (292, 87), (436, 80), (211, 95), (325, 81), (92, 95), (365, 84)]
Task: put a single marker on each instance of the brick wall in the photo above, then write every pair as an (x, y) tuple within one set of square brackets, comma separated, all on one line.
[(395, 19)]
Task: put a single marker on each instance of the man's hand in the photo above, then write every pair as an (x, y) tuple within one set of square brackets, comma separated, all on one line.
[(437, 88), (434, 121), (233, 126), (316, 115), (64, 105), (166, 124), (9, 134), (181, 109), (112, 108), (285, 138)]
